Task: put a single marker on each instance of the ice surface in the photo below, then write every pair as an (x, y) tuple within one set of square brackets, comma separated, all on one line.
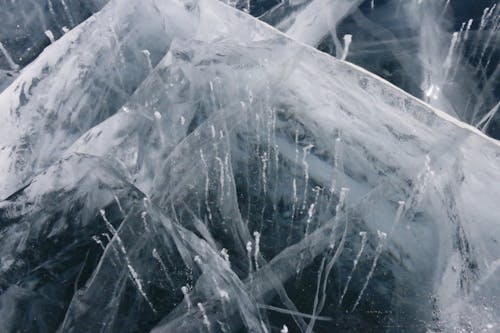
[(443, 52), (24, 25), (29, 25), (179, 166), (70, 88)]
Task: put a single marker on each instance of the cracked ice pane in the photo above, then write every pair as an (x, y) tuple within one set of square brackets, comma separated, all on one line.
[(179, 166)]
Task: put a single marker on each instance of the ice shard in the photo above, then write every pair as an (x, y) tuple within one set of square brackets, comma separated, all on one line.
[(29, 26), (73, 85), (180, 166)]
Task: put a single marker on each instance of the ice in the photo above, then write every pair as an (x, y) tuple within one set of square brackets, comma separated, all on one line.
[(28, 26), (39, 102), (180, 166), (347, 43), (25, 23), (354, 264), (318, 19), (8, 57), (50, 35), (406, 42), (381, 238)]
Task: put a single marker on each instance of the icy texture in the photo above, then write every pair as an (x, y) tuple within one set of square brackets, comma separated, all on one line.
[(27, 25), (74, 85), (179, 166), (445, 52)]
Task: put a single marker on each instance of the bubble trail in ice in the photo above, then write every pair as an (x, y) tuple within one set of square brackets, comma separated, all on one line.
[(449, 57), (491, 35), (66, 10), (133, 273), (337, 167), (310, 215), (347, 43), (305, 152), (51, 9), (325, 267), (249, 255), (256, 235), (294, 204), (206, 322), (467, 29), (445, 7), (460, 47), (185, 292), (257, 137), (355, 264), (224, 297), (311, 210), (225, 255), (338, 210), (207, 184), (399, 214), (485, 21), (264, 160), (222, 177), (99, 242), (381, 239), (145, 221), (227, 172), (119, 204), (147, 54), (50, 36), (156, 255)]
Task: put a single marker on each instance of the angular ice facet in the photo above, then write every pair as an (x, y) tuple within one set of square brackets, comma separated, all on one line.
[(189, 188)]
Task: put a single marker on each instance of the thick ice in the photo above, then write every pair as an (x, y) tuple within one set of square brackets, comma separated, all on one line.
[(132, 195), (27, 24), (74, 85), (443, 52)]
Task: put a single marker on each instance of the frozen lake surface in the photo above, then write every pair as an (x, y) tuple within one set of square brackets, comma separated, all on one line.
[(202, 166)]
